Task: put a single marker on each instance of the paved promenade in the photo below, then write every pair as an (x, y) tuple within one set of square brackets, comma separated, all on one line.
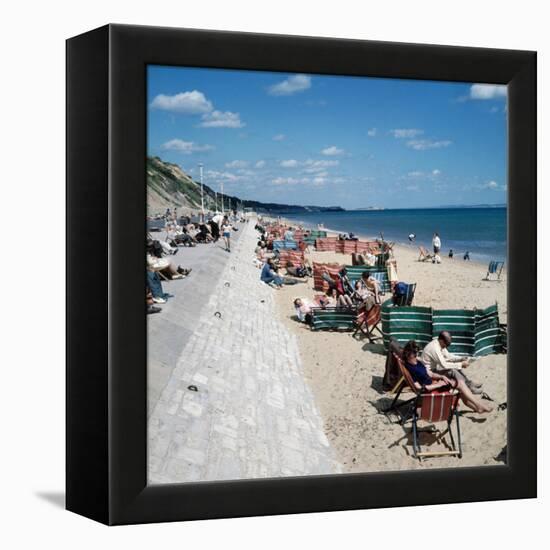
[(252, 414)]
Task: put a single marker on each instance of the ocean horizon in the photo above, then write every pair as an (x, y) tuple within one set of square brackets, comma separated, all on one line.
[(482, 231)]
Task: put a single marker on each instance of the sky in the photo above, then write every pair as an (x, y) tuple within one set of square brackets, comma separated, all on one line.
[(321, 140)]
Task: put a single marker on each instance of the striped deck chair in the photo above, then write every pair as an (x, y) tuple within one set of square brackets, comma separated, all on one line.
[(367, 322), (284, 245), (406, 323), (461, 324), (490, 335), (494, 267), (407, 298), (318, 269), (433, 407), (380, 274), (333, 318)]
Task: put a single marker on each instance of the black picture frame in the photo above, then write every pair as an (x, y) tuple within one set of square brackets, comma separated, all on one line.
[(106, 324)]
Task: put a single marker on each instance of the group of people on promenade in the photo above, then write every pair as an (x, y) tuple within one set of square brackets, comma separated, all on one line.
[(180, 232)]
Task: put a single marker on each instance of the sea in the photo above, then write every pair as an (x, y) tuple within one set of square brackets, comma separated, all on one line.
[(479, 231)]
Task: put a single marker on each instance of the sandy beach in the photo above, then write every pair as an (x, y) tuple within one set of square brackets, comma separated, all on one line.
[(345, 374)]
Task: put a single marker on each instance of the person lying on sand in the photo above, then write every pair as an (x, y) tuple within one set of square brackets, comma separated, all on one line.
[(303, 310), (433, 381), (437, 359)]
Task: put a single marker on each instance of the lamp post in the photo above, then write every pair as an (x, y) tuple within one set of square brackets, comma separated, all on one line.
[(202, 193), (215, 201), (223, 212)]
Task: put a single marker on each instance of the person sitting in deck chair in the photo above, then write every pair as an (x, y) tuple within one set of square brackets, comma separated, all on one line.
[(338, 300), (372, 285), (437, 359), (431, 381)]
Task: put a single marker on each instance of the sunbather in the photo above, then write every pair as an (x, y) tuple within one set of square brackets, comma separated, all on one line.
[(303, 310), (338, 300), (432, 381), (269, 275), (372, 284), (437, 358)]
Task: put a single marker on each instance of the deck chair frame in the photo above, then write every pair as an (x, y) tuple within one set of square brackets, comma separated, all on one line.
[(367, 329), (494, 267)]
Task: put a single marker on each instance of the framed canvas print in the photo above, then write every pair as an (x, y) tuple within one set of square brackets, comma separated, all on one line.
[(301, 274)]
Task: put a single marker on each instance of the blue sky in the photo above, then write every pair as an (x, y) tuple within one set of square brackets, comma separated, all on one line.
[(329, 140)]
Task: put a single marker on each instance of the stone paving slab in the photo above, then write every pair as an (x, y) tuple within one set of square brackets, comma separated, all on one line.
[(253, 415)]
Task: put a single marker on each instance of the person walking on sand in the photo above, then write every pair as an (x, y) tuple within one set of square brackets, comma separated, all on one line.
[(436, 242), (466, 255), (226, 232)]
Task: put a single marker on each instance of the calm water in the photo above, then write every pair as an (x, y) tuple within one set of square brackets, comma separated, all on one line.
[(481, 231)]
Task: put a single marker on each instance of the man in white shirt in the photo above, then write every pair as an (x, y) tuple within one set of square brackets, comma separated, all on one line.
[(289, 235), (436, 358), (215, 224), (436, 242)]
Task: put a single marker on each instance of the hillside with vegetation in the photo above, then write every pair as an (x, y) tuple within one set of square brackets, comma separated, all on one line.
[(168, 186)]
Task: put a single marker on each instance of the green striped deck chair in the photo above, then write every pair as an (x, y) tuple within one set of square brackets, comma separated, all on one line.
[(318, 234), (489, 337), (334, 318), (379, 273), (461, 324), (406, 323)]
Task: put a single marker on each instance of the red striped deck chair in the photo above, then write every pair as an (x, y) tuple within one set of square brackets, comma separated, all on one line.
[(318, 269), (424, 255), (340, 246), (433, 407), (368, 321)]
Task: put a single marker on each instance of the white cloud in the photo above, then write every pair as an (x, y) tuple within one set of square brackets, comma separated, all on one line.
[(260, 164), (187, 103), (436, 172), (319, 181), (372, 132), (415, 174), (279, 137), (289, 163), (400, 133), (423, 144), (487, 91), (236, 164), (219, 176), (285, 181), (332, 151), (185, 147), (491, 185), (221, 119), (313, 166), (291, 85)]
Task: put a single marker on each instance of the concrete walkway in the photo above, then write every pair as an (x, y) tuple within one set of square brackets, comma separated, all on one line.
[(169, 332), (253, 414)]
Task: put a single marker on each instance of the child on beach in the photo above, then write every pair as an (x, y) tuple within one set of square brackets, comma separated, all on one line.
[(226, 232)]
